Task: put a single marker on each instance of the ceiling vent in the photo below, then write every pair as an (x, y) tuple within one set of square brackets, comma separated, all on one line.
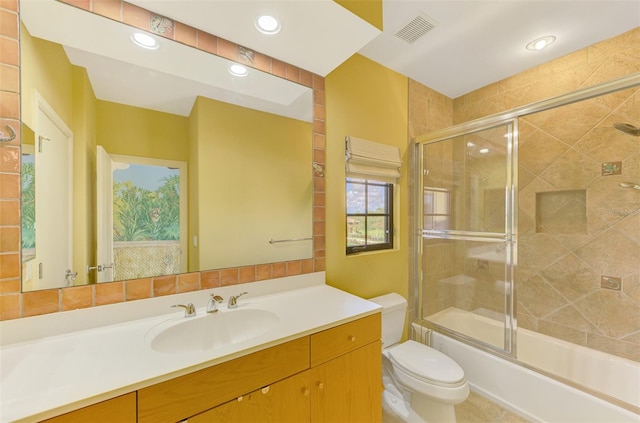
[(415, 29)]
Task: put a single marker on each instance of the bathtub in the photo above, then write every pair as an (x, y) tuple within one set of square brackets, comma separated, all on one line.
[(531, 394)]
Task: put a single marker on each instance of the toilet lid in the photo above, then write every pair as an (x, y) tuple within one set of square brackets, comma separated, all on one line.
[(426, 363)]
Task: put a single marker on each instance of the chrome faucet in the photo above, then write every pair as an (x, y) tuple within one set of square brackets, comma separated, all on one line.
[(189, 309), (212, 306), (233, 300)]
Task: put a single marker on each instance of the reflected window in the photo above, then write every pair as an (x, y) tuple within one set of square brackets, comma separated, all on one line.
[(28, 205), (369, 215), (437, 208)]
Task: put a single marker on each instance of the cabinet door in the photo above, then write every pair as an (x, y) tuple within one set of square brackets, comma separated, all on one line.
[(188, 395), (121, 409), (348, 388), (286, 401)]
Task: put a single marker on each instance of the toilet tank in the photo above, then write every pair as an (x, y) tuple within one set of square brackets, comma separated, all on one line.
[(394, 308)]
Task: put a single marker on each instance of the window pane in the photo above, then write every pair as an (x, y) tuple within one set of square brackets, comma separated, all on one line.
[(355, 198), (377, 200), (441, 202), (428, 202), (365, 232), (356, 231), (377, 230)]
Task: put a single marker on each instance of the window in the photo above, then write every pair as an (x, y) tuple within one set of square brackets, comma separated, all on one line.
[(437, 208), (369, 215)]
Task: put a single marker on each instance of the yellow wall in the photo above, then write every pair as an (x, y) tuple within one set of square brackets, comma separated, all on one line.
[(257, 167), (368, 10), (84, 181), (368, 101), (134, 131), (54, 85), (194, 188)]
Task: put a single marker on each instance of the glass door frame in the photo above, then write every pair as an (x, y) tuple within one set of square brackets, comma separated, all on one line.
[(416, 184), (509, 236)]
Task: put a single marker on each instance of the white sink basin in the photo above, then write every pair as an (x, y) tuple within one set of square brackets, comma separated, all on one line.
[(208, 331)]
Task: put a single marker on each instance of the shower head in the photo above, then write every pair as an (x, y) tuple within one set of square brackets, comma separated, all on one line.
[(627, 128), (629, 185)]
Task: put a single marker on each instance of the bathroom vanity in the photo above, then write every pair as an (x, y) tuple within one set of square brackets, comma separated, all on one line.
[(319, 362)]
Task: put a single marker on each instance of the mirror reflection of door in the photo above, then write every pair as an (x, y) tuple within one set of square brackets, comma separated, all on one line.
[(141, 217), (47, 222)]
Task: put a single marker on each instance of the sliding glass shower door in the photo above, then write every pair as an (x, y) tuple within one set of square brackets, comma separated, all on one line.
[(466, 253)]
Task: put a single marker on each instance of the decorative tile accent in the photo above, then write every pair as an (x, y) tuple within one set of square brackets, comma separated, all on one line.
[(161, 25), (246, 55), (611, 168), (318, 170), (611, 282)]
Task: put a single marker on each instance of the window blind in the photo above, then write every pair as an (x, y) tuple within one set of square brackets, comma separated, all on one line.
[(372, 160)]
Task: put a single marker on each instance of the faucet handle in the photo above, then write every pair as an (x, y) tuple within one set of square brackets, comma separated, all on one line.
[(189, 309), (212, 305), (233, 300)]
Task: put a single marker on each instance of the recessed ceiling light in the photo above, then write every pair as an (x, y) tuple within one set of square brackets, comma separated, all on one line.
[(267, 24), (541, 43), (484, 150), (145, 40), (238, 70)]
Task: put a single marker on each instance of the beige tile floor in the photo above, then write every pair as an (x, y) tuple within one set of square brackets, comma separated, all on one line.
[(476, 409)]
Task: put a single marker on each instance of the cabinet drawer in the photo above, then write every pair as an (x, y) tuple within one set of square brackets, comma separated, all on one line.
[(188, 395), (342, 339)]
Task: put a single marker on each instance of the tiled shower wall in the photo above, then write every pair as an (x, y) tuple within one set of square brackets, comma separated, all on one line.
[(579, 230), (579, 246)]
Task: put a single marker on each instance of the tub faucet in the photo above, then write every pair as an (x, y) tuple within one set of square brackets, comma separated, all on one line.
[(212, 306), (233, 300), (189, 309)]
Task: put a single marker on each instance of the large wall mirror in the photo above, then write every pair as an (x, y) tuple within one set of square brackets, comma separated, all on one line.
[(144, 162)]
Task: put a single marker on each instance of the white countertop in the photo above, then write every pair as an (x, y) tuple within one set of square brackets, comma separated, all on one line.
[(89, 357)]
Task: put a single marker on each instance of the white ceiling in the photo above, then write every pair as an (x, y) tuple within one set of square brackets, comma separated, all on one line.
[(478, 42), (474, 43)]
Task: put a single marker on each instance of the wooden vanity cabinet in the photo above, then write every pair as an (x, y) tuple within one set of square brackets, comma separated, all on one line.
[(346, 373), (121, 409), (343, 384), (186, 396)]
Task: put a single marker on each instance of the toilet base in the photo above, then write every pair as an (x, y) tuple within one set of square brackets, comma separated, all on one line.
[(414, 408), (432, 410), (396, 409)]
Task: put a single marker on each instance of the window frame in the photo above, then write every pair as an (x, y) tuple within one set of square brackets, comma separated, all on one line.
[(448, 216), (388, 215)]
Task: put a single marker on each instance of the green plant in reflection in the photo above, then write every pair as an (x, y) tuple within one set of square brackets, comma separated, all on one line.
[(144, 215), (28, 204)]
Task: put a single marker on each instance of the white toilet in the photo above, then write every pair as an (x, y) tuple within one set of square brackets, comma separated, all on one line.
[(421, 384)]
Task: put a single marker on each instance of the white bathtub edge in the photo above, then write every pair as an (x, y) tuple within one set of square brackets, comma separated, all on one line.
[(541, 398)]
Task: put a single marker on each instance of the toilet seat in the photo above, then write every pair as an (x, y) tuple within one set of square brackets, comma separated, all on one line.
[(426, 364)]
